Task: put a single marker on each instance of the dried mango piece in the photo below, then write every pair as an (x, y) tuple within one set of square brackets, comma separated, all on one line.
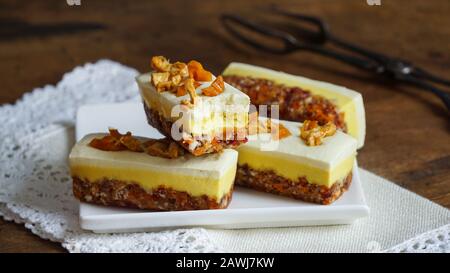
[(216, 87), (110, 142), (197, 72), (163, 148), (283, 132), (181, 91), (107, 143)]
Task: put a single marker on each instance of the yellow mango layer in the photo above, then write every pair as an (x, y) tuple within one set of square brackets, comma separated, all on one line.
[(149, 179)]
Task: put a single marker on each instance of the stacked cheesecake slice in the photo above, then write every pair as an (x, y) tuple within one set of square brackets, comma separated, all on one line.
[(290, 167), (211, 141)]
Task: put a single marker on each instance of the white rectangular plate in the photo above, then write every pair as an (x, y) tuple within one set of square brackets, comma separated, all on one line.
[(248, 208)]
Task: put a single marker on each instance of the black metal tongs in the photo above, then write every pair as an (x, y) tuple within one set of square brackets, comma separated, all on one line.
[(315, 40)]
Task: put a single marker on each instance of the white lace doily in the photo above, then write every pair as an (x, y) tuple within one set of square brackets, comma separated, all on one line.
[(35, 187), (437, 240)]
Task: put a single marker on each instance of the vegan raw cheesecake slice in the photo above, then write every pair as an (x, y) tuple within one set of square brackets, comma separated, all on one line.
[(313, 165), (121, 170), (301, 98)]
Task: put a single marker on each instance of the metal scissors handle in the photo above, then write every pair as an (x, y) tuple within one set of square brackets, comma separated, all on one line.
[(315, 41)]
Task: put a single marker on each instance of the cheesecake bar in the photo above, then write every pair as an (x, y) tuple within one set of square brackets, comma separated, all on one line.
[(200, 111), (300, 98), (150, 174), (312, 164)]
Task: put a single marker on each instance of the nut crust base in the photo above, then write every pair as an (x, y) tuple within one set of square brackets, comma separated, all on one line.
[(119, 193), (269, 181)]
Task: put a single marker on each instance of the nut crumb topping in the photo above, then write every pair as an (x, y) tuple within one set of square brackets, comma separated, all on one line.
[(165, 148), (181, 79), (160, 64), (313, 134), (161, 81), (167, 76), (116, 141)]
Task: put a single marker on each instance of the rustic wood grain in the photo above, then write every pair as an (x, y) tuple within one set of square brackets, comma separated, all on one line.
[(407, 129)]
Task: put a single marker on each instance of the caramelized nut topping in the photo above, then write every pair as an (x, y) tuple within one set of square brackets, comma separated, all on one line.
[(116, 141), (312, 133), (107, 143), (180, 78), (131, 143), (165, 148), (190, 88), (167, 76)]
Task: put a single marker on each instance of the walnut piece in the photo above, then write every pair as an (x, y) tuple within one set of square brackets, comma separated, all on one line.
[(161, 81), (312, 133), (160, 64), (180, 69)]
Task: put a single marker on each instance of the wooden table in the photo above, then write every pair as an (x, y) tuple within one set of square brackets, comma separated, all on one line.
[(408, 138)]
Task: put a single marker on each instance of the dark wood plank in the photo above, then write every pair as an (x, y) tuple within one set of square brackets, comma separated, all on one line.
[(407, 129), (16, 238)]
